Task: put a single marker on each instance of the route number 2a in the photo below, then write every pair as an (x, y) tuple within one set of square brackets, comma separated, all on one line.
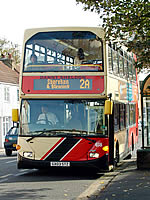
[(84, 83)]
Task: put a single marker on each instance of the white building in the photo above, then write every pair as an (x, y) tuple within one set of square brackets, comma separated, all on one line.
[(9, 98)]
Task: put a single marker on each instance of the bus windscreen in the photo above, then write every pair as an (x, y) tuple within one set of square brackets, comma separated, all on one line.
[(63, 117)]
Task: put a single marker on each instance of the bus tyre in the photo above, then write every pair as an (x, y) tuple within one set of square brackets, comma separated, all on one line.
[(8, 152)]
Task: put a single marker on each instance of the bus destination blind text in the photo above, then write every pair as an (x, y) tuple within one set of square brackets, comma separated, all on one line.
[(63, 84)]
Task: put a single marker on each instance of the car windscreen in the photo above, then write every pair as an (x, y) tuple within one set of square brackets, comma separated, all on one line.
[(13, 131)]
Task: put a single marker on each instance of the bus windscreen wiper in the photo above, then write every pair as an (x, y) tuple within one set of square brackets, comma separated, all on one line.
[(61, 132), (39, 134), (43, 132)]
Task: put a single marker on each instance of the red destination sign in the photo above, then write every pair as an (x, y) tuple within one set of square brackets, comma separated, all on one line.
[(63, 84)]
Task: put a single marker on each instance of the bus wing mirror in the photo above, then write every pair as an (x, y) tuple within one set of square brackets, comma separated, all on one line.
[(108, 107), (15, 115)]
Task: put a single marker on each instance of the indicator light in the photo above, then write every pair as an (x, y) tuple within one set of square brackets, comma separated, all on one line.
[(105, 148), (18, 147)]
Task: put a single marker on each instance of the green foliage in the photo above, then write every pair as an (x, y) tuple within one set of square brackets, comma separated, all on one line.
[(8, 48), (127, 22)]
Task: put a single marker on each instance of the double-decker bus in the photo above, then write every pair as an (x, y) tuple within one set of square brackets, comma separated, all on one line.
[(69, 78)]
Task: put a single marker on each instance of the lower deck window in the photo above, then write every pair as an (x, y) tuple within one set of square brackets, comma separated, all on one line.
[(85, 117)]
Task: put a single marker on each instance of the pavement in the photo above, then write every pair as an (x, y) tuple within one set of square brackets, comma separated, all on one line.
[(125, 183)]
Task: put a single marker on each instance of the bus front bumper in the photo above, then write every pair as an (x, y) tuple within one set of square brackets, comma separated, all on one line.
[(98, 164)]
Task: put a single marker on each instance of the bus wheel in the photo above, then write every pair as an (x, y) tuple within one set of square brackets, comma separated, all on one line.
[(117, 157)]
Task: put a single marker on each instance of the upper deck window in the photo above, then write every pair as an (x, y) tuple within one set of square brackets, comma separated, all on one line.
[(63, 51)]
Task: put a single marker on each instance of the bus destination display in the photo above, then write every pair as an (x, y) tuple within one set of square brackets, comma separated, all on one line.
[(63, 84)]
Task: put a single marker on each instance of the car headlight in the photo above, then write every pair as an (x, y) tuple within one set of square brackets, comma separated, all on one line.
[(94, 155), (27, 154)]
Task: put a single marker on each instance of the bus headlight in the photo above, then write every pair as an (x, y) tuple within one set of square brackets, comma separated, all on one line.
[(94, 155), (27, 154)]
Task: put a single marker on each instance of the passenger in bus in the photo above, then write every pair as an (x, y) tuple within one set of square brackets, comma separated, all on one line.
[(33, 59), (47, 117), (80, 57)]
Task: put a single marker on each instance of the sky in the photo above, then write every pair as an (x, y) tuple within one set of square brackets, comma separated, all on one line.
[(18, 15)]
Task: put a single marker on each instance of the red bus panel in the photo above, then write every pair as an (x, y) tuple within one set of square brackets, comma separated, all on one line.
[(63, 84)]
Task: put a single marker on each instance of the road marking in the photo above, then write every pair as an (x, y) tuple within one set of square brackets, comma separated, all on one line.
[(5, 175), (10, 161), (6, 179), (20, 174), (24, 171)]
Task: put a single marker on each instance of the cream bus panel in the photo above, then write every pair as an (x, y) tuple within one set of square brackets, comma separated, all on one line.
[(122, 90), (37, 147)]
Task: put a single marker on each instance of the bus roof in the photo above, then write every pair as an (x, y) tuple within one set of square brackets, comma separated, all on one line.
[(99, 31)]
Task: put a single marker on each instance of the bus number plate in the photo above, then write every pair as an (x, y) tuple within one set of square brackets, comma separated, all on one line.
[(60, 164)]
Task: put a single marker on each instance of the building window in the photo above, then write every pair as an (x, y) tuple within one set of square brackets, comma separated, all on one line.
[(6, 124), (6, 94), (17, 94)]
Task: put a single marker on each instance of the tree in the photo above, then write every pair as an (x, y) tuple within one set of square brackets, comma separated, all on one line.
[(127, 22), (7, 49)]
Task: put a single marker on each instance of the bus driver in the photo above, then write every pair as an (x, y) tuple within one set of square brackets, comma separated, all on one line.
[(47, 117)]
